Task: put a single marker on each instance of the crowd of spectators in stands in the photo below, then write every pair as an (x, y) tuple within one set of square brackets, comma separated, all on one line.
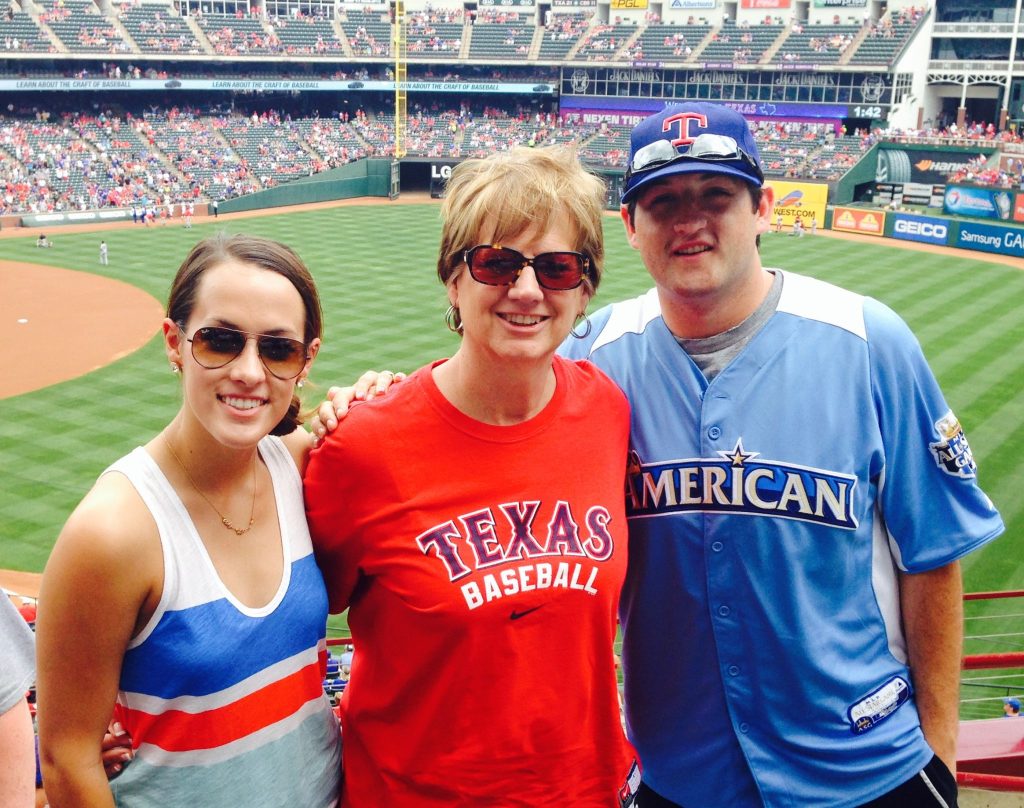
[(422, 34), (102, 159), (562, 27)]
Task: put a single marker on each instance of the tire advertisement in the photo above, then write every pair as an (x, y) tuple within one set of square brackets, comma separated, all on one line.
[(928, 166)]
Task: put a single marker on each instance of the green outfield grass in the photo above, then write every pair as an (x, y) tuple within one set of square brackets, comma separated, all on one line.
[(384, 308)]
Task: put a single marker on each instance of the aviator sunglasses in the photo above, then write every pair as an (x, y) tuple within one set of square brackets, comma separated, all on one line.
[(495, 265), (214, 346), (704, 147)]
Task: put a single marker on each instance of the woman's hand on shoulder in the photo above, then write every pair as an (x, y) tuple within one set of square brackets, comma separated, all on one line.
[(339, 399)]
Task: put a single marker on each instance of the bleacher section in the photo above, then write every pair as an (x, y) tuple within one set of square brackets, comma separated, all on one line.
[(671, 43), (272, 149), (156, 28), (603, 41), (368, 32), (307, 35), (196, 150), (609, 146), (90, 161), (817, 44), (238, 35), (20, 34), (884, 42), (561, 33), (501, 37), (335, 143), (81, 28), (834, 158), (429, 35), (741, 44)]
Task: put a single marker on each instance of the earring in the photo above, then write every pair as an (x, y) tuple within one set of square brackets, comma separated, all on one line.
[(175, 367), (453, 320), (586, 333), (300, 383)]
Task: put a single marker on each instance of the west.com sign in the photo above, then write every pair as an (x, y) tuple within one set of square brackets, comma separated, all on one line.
[(991, 238)]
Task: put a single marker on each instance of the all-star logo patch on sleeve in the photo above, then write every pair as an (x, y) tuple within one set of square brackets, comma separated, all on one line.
[(952, 452)]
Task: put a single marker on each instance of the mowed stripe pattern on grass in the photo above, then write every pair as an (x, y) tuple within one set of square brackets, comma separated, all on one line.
[(375, 266)]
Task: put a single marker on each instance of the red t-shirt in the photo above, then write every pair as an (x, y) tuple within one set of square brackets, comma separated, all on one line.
[(481, 566)]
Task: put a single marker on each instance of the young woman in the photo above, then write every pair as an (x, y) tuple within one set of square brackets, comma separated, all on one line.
[(472, 521), (183, 587)]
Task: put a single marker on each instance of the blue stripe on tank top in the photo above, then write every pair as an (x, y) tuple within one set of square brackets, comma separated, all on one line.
[(191, 632)]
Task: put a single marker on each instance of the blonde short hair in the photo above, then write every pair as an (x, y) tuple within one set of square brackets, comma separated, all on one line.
[(518, 189)]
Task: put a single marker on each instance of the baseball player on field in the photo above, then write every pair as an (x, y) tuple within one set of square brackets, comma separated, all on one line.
[(799, 495)]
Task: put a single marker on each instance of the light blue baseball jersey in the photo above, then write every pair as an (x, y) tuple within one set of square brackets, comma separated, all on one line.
[(770, 512)]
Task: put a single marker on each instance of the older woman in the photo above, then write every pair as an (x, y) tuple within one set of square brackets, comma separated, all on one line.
[(472, 522)]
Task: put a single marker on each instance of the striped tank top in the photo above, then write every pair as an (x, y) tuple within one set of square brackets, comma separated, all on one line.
[(224, 702)]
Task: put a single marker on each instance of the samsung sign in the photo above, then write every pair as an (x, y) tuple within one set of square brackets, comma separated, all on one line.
[(920, 228), (991, 238)]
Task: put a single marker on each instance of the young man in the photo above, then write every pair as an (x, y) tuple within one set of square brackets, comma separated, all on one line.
[(799, 493)]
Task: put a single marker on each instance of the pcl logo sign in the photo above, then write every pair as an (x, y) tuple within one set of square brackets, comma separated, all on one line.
[(921, 228)]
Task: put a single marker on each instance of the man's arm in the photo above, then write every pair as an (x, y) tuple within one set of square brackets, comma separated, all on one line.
[(933, 615), (17, 757)]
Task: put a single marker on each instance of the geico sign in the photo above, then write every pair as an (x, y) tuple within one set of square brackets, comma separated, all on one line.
[(930, 229)]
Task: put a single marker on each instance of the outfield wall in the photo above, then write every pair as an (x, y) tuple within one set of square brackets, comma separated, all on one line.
[(1001, 239), (362, 178)]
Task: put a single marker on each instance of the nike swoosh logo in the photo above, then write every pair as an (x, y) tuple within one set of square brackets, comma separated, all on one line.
[(516, 615)]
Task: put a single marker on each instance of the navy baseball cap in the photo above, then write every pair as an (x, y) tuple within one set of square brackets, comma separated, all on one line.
[(693, 137)]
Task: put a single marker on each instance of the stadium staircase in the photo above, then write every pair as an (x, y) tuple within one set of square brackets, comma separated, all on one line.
[(339, 34), (538, 40), (854, 46), (699, 47), (199, 34), (125, 35), (768, 57), (55, 41)]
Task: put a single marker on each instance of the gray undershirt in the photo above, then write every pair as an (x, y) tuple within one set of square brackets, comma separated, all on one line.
[(712, 354)]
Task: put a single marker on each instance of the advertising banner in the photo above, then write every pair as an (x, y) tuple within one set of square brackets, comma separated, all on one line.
[(76, 217), (858, 220), (926, 165), (840, 3), (927, 229), (993, 238), (620, 5), (1018, 208), (979, 203), (694, 4), (268, 85), (799, 200), (764, 3), (910, 193), (439, 174)]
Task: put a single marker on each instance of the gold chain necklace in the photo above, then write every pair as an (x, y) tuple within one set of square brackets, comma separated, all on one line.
[(238, 531)]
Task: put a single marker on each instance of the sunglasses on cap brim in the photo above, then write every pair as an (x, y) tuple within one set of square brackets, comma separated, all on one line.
[(707, 147)]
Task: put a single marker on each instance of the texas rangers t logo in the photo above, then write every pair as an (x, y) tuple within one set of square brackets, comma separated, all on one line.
[(683, 120)]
